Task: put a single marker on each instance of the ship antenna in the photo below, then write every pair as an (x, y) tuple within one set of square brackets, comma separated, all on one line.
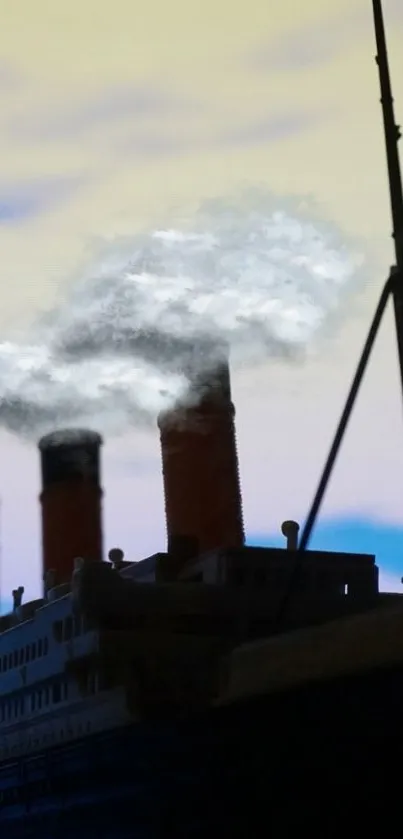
[(392, 288), (392, 137), (392, 133)]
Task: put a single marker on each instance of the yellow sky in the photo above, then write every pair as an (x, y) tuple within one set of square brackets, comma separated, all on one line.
[(216, 59), (216, 71)]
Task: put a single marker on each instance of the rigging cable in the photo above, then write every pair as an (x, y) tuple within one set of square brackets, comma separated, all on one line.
[(338, 439), (393, 287)]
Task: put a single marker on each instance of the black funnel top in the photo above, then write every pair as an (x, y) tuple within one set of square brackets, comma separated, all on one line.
[(70, 455)]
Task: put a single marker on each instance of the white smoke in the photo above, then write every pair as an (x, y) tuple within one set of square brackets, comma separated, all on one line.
[(265, 278)]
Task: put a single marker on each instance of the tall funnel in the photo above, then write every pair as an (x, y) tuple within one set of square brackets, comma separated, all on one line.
[(203, 503), (71, 500)]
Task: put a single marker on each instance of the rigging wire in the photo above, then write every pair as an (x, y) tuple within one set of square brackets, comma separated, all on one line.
[(393, 282), (393, 287)]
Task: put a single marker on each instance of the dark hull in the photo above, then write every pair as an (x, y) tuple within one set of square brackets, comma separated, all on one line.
[(319, 760)]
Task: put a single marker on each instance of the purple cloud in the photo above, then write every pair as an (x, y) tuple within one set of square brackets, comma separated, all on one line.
[(315, 44), (304, 47), (110, 106), (24, 200), (270, 130), (156, 144), (149, 145)]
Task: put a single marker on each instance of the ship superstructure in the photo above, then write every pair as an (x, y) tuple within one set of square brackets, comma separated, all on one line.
[(40, 702), (112, 642), (135, 695)]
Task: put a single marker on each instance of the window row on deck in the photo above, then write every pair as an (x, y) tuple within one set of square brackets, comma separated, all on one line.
[(17, 658), (52, 737), (63, 630), (16, 707)]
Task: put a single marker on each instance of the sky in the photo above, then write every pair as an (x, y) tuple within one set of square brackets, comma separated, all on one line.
[(115, 121)]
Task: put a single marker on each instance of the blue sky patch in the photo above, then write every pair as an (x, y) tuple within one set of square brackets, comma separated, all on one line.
[(357, 535)]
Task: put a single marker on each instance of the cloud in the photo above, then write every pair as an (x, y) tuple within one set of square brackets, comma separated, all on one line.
[(272, 129), (304, 47), (146, 137), (357, 535), (316, 44), (157, 144), (297, 52), (147, 145), (24, 200), (253, 270), (109, 106)]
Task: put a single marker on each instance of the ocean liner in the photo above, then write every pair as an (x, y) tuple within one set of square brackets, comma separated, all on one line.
[(213, 688)]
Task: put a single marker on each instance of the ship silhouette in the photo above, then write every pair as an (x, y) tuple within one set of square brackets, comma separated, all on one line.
[(212, 688)]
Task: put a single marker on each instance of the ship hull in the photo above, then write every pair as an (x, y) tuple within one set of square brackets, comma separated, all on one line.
[(314, 759)]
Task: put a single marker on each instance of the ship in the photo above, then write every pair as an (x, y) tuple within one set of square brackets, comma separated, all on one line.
[(213, 688)]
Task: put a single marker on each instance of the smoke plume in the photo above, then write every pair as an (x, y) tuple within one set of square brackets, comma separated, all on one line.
[(265, 277)]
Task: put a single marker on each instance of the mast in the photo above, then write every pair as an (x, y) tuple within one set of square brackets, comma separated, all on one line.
[(392, 136), (392, 133), (392, 288)]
